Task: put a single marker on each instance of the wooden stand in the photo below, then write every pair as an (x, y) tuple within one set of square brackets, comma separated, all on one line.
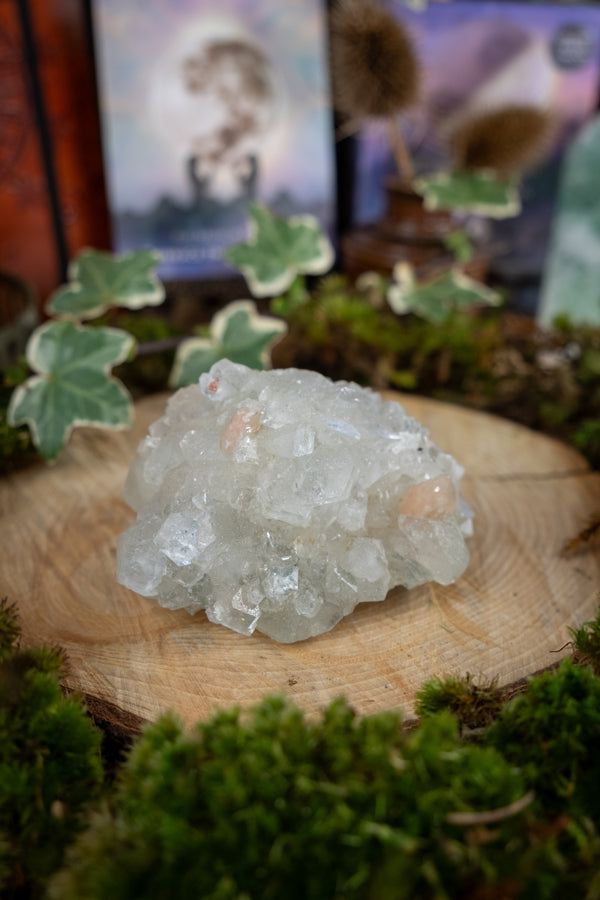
[(508, 616)]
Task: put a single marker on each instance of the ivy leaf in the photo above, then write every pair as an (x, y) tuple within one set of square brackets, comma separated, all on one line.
[(73, 386), (99, 280), (279, 249), (435, 300), (238, 332), (481, 193)]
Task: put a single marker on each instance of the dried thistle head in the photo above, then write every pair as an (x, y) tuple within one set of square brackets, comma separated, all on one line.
[(375, 72), (506, 140)]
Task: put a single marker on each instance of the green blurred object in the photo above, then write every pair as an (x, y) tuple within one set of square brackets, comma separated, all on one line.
[(571, 282), (272, 806), (18, 317), (50, 767)]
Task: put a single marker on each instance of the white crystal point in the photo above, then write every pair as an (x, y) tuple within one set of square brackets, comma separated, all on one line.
[(278, 500)]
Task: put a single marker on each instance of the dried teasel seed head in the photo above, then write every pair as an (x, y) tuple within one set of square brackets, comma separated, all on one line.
[(375, 72), (506, 140)]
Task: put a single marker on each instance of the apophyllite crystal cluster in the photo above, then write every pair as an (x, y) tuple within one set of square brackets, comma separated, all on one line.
[(279, 500)]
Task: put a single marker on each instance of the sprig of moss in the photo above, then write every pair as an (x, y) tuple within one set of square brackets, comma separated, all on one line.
[(475, 703), (587, 642)]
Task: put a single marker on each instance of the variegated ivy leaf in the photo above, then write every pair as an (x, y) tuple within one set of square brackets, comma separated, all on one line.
[(435, 300), (73, 385), (239, 333), (279, 249), (99, 280), (481, 193)]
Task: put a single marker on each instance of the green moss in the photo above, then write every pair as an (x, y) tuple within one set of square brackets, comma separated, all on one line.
[(269, 804), (149, 370), (586, 438), (16, 447), (9, 627), (476, 704), (587, 642), (552, 732), (589, 364), (404, 380), (49, 764), (275, 806)]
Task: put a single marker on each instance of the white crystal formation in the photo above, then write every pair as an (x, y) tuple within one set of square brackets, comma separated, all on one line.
[(279, 500)]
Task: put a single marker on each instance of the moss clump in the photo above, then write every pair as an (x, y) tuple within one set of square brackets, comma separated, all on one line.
[(268, 805), (552, 732), (280, 807), (476, 704), (16, 446), (49, 764), (586, 641), (586, 438), (10, 630)]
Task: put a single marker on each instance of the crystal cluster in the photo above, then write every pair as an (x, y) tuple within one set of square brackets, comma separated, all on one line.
[(279, 500)]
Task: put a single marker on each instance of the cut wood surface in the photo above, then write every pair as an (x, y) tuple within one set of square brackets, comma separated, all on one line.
[(507, 616)]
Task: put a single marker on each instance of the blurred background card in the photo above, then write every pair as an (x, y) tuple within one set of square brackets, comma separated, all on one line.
[(207, 105)]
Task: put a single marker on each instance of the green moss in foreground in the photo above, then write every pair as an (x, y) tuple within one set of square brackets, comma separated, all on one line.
[(49, 764), (587, 642), (552, 732), (275, 806), (268, 804), (9, 628)]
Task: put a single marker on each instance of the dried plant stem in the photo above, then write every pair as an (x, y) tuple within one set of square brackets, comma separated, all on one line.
[(493, 815), (146, 348), (401, 154)]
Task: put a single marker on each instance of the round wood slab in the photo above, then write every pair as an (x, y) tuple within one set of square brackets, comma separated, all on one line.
[(505, 617)]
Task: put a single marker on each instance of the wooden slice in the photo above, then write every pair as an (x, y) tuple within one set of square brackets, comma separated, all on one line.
[(507, 616)]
